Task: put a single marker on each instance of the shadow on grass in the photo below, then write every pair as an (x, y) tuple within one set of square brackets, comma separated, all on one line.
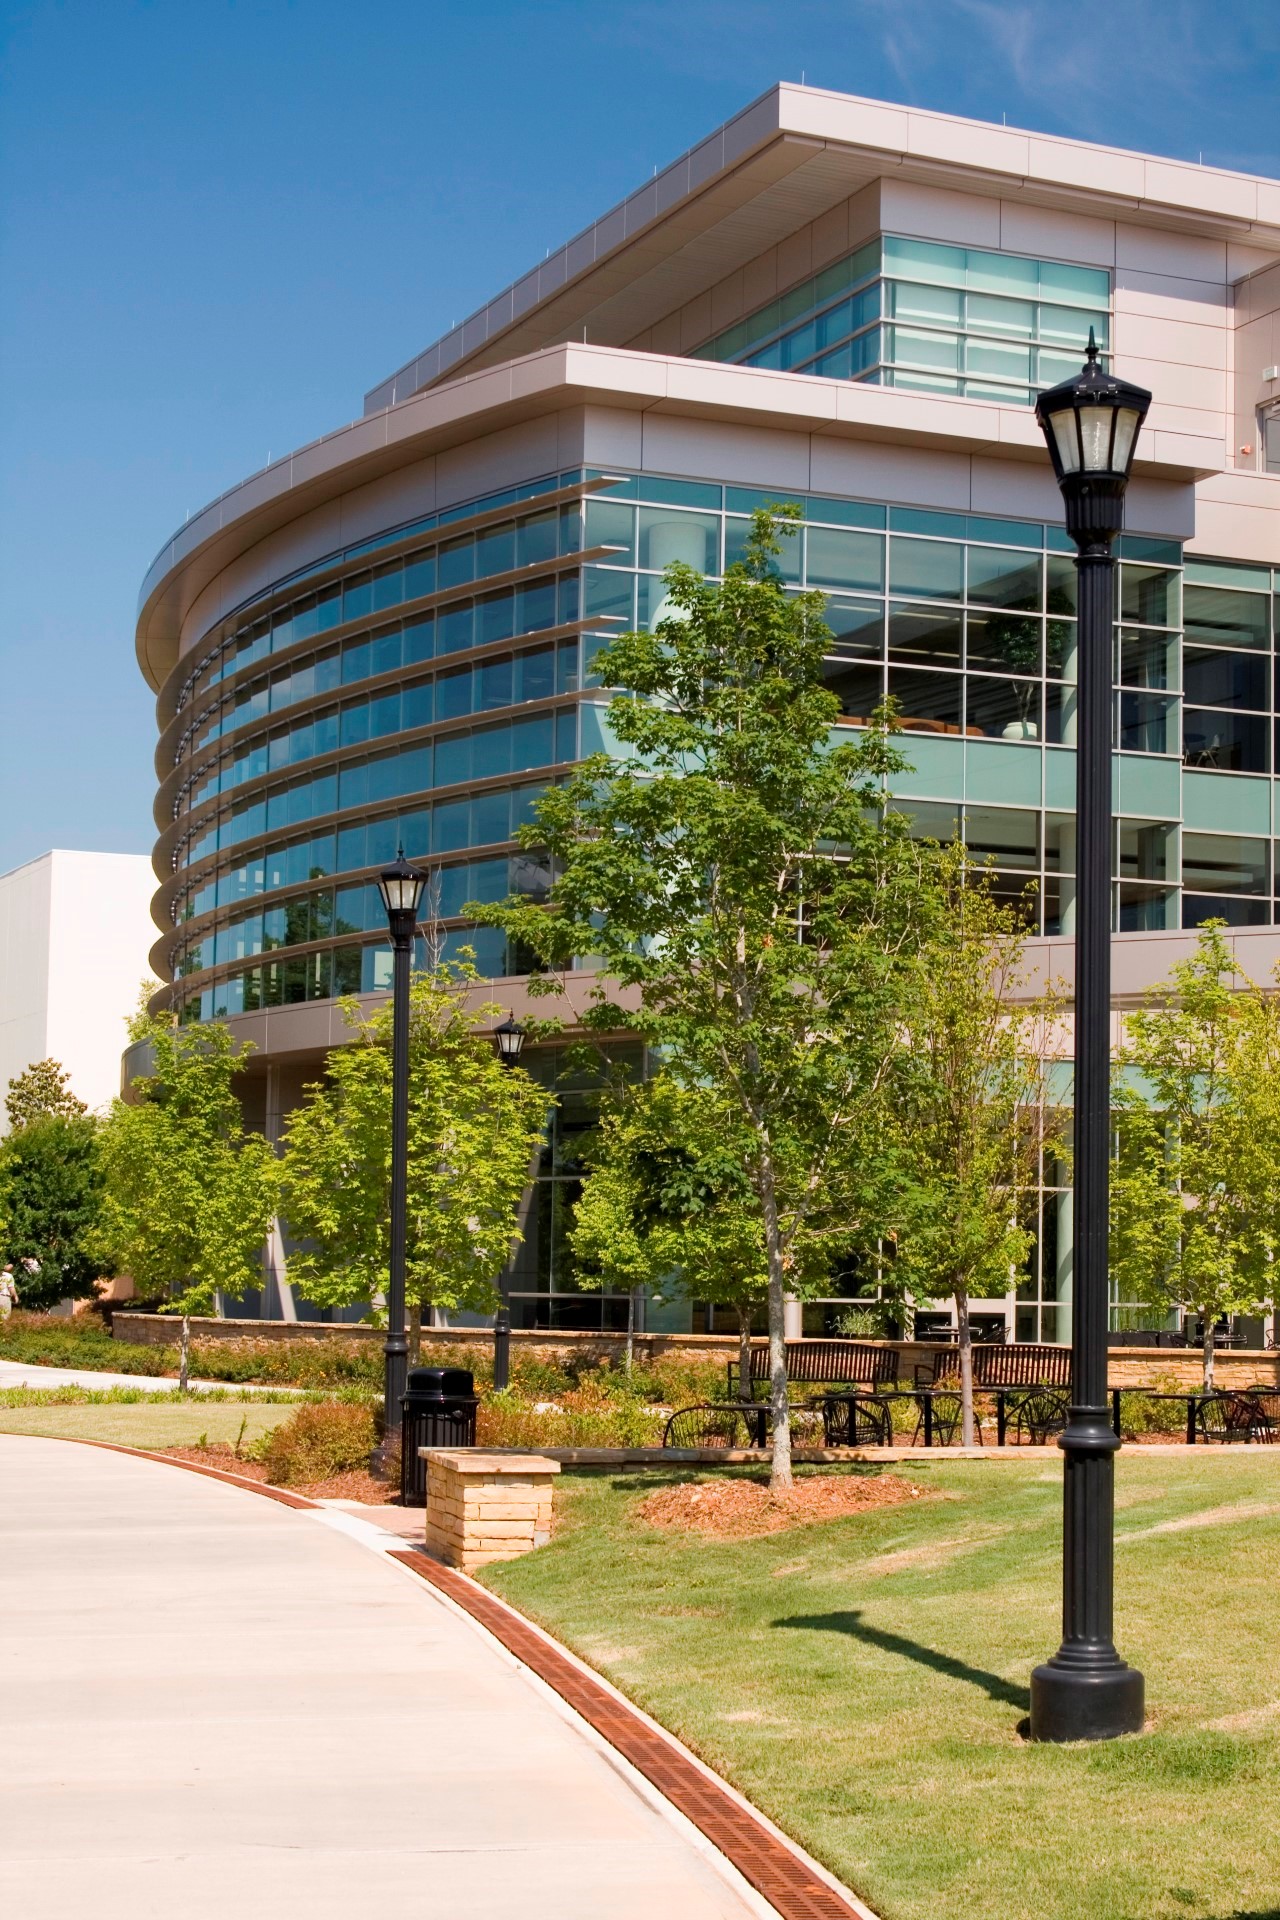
[(852, 1623)]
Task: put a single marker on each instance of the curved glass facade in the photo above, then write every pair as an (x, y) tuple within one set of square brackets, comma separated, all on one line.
[(283, 808)]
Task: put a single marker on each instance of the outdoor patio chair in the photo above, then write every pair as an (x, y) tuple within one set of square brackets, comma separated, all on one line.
[(856, 1420), (1233, 1418), (1039, 1413), (723, 1425)]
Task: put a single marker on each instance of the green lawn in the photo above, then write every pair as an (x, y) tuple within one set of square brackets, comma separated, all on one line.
[(153, 1425), (863, 1680)]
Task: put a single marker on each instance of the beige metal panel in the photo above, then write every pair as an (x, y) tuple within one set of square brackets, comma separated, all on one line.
[(827, 116), (969, 143), (883, 471), (1171, 183), (1243, 260), (1047, 233), (1180, 387), (1184, 256), (1178, 343), (740, 455), (1072, 163), (1238, 518), (1173, 297), (939, 213)]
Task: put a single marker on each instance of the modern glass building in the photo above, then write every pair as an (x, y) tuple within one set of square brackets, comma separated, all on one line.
[(389, 636)]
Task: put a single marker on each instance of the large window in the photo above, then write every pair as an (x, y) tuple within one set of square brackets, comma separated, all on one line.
[(912, 313)]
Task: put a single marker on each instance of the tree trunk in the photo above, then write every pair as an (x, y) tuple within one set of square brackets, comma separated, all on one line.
[(184, 1356), (631, 1329), (415, 1332), (1206, 1321), (744, 1353), (965, 1336), (780, 1464)]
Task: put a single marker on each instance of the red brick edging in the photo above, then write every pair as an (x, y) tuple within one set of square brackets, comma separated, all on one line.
[(263, 1487), (760, 1857)]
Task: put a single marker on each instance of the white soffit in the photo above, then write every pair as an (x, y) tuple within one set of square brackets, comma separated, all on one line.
[(785, 160)]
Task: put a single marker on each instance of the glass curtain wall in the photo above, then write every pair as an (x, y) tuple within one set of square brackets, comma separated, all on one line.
[(966, 622), (937, 319)]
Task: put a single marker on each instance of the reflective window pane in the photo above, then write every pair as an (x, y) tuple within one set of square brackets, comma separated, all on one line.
[(920, 635), (933, 569)]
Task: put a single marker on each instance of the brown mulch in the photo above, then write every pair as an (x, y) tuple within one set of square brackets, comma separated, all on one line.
[(744, 1509), (354, 1485)]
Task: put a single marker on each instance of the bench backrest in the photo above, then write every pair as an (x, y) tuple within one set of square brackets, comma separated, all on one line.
[(831, 1363), (1014, 1366)]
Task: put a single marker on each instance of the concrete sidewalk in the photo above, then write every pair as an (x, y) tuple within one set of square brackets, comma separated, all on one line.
[(223, 1709), (17, 1373)]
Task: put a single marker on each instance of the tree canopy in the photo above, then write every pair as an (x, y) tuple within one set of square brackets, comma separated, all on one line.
[(1195, 1194), (974, 1110), (751, 907), (50, 1202), (40, 1091), (189, 1193), (473, 1125)]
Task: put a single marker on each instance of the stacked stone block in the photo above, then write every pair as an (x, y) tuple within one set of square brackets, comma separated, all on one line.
[(486, 1506)]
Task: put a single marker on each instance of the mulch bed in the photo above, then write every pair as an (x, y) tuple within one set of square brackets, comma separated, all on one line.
[(356, 1484), (744, 1509)]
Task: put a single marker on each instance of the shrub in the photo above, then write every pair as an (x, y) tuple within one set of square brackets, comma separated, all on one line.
[(294, 1363), (1139, 1414), (317, 1442), (47, 1340), (586, 1416)]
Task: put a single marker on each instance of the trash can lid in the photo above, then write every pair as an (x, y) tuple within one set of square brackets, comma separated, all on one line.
[(441, 1382)]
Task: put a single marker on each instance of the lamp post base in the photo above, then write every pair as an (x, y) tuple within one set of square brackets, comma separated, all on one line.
[(1075, 1699)]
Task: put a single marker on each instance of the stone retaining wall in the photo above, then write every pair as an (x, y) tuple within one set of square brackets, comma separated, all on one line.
[(1126, 1366)]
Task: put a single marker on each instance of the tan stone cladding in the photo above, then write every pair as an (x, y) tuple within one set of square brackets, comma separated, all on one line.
[(486, 1506)]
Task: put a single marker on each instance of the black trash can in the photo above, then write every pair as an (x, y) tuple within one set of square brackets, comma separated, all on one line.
[(438, 1410)]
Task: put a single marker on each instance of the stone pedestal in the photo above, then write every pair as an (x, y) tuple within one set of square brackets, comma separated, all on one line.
[(486, 1506)]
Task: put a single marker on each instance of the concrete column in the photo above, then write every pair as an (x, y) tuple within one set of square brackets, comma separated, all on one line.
[(793, 1318)]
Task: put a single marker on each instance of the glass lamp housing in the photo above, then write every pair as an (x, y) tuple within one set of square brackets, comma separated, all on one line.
[(1091, 427), (509, 1037), (401, 888)]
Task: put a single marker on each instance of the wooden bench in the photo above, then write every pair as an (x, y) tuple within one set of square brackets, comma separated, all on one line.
[(823, 1363)]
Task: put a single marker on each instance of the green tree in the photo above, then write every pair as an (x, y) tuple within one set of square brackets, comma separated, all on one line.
[(751, 907), (50, 1201), (668, 1202), (189, 1193), (473, 1125), (1195, 1192), (41, 1090), (974, 1110)]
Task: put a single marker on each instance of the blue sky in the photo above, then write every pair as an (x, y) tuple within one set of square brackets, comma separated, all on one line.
[(222, 220)]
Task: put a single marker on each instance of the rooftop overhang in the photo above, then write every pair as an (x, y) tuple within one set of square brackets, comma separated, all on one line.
[(564, 377), (784, 161)]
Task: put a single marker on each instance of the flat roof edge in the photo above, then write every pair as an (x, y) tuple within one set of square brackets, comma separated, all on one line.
[(1164, 185)]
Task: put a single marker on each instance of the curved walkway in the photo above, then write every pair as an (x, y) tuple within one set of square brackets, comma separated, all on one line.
[(17, 1373), (220, 1708)]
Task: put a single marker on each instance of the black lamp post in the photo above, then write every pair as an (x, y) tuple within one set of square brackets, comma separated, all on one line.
[(401, 889), (1086, 1692), (509, 1039)]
